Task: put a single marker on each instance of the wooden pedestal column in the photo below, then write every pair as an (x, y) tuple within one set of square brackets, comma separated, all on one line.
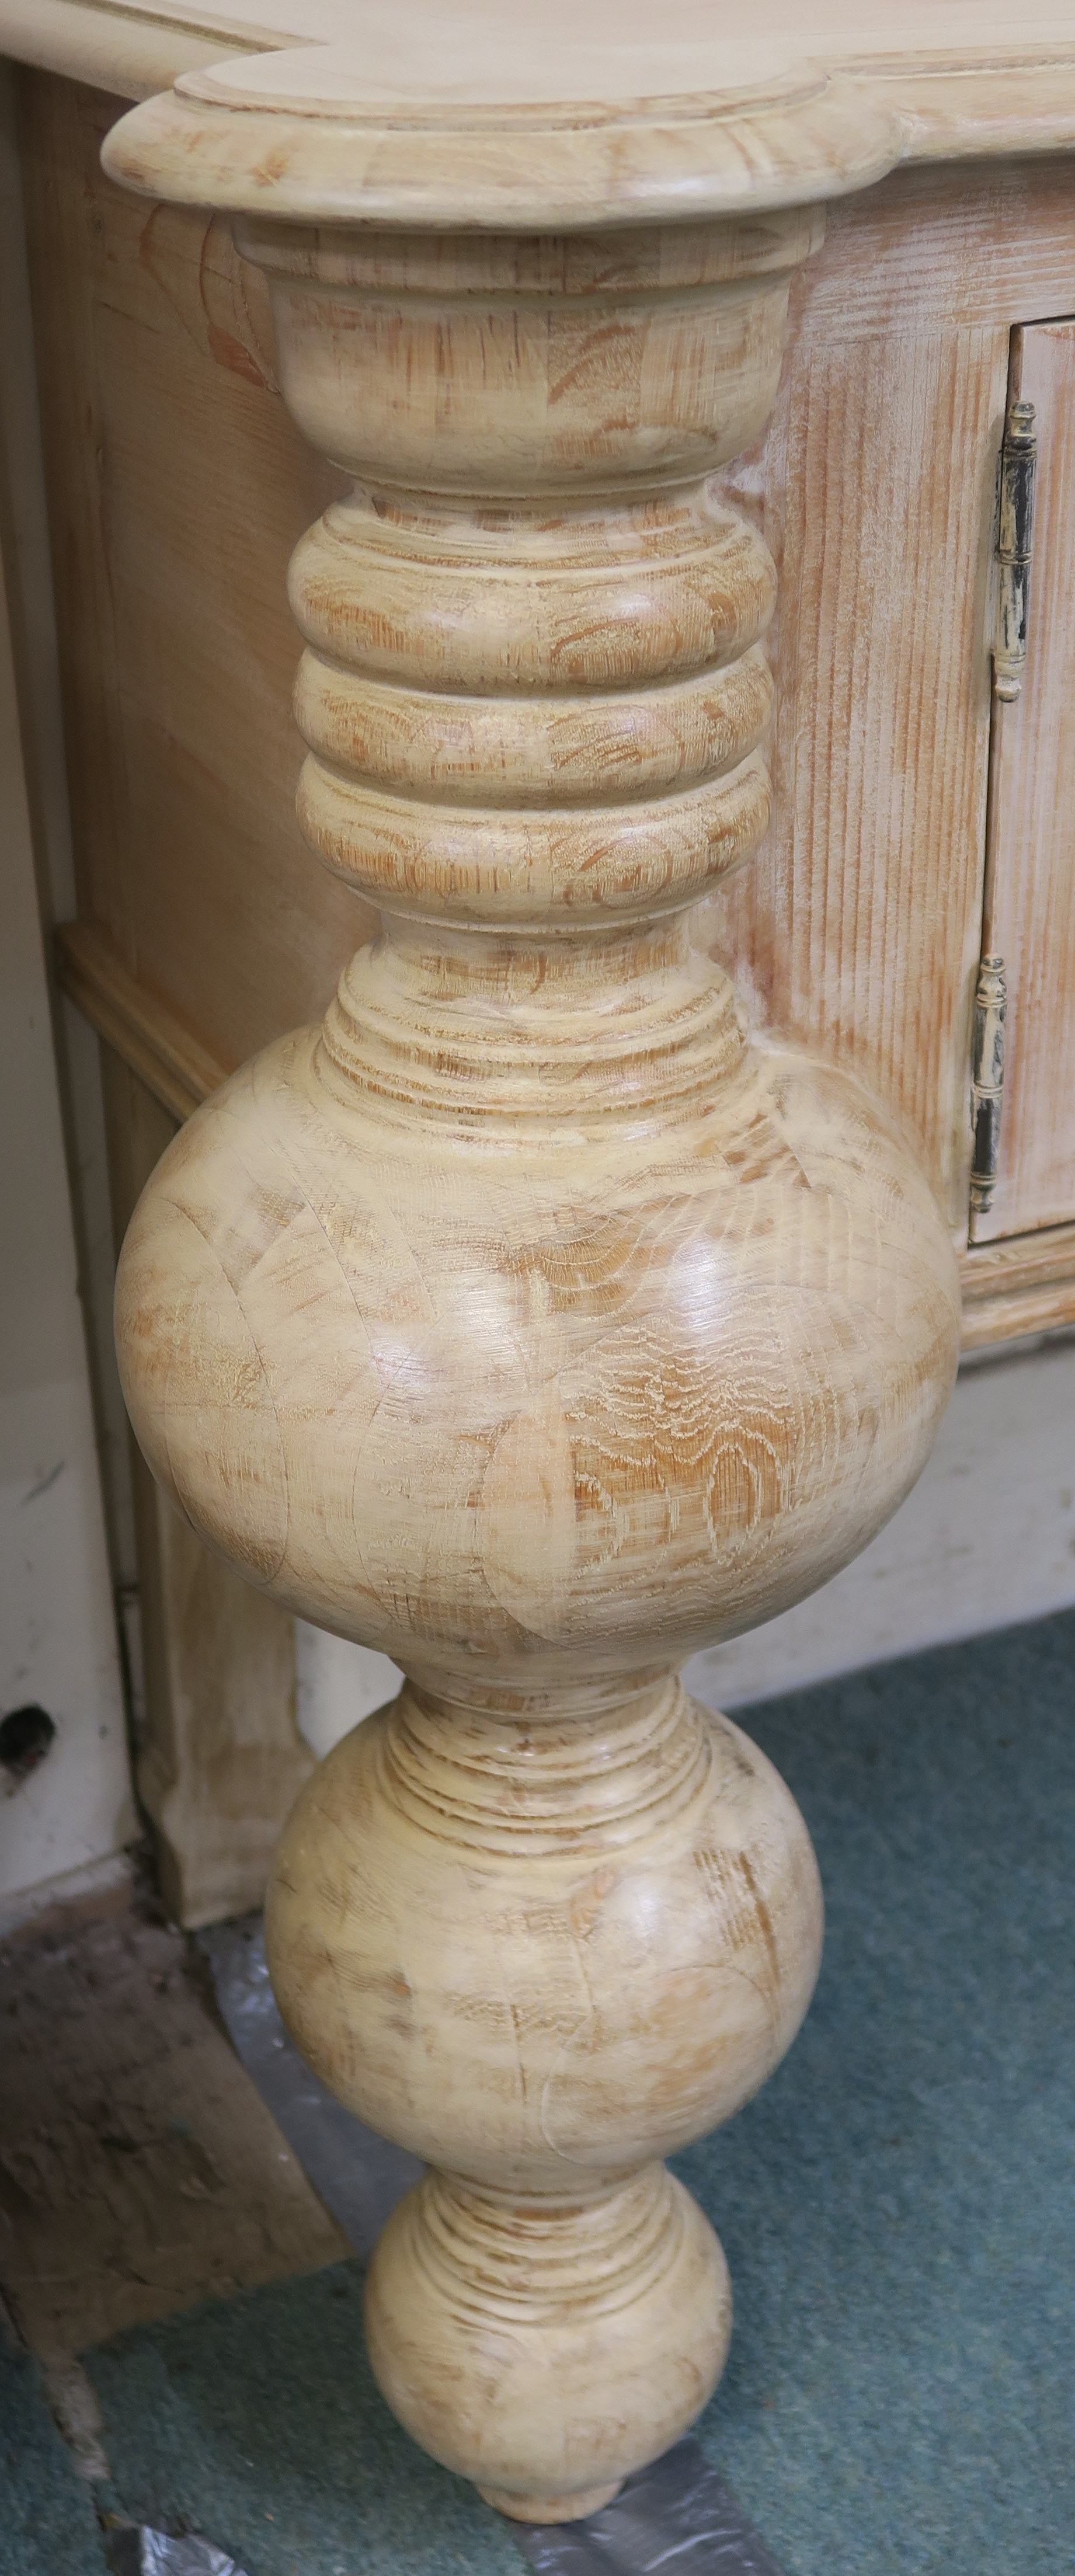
[(523, 1320)]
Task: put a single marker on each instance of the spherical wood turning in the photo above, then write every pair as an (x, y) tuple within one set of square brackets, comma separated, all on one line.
[(526, 1321), (583, 1924)]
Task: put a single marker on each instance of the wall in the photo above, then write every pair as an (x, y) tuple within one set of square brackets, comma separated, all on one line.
[(57, 1635), (72, 1814)]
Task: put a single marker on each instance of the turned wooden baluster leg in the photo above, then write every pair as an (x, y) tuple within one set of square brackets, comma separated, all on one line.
[(526, 1322)]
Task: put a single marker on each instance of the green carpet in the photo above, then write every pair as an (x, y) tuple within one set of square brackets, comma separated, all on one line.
[(898, 2205), (47, 2522)]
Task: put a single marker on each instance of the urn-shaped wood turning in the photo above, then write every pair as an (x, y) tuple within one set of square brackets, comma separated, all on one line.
[(525, 1319)]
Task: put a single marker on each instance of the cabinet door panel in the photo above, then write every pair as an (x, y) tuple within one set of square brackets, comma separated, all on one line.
[(1032, 922)]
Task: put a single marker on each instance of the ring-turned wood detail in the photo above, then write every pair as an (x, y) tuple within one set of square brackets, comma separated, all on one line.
[(527, 1322)]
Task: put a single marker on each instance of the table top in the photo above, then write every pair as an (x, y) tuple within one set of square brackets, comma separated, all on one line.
[(560, 112), (468, 42)]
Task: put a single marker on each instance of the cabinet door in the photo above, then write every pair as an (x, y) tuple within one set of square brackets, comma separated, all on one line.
[(1032, 911)]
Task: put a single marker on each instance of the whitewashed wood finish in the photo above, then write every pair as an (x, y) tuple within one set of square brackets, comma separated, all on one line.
[(860, 923), (201, 934), (525, 1321), (960, 74), (150, 1042), (113, 48), (1019, 1286), (570, 117), (1032, 909)]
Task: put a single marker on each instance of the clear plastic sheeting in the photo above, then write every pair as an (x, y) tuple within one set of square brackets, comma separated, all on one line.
[(360, 2177), (677, 2516), (153, 2553)]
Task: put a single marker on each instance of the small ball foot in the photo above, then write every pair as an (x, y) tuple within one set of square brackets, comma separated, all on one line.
[(570, 2508), (544, 2347)]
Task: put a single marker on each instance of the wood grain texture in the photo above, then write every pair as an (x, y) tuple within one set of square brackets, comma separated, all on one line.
[(1015, 1288), (525, 1320), (1023, 1287), (931, 248), (221, 1758), (899, 321), (1032, 906), (961, 81), (647, 1888), (859, 927), (604, 118), (870, 315), (178, 1072), (112, 48), (164, 449)]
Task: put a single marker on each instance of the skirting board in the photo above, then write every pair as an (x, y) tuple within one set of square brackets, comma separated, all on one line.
[(987, 1538), (103, 1887)]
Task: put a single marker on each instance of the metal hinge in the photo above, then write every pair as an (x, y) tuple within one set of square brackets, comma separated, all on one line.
[(990, 1007), (1015, 533)]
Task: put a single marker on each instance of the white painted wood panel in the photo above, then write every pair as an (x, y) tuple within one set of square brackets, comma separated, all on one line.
[(57, 1633)]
